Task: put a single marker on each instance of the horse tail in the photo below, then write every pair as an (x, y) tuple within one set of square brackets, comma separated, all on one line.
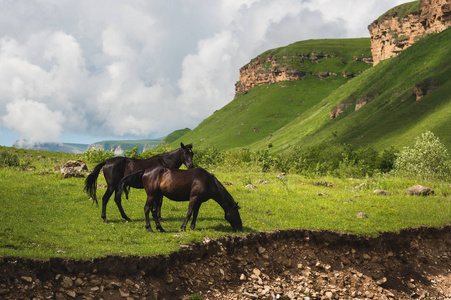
[(91, 181), (132, 180)]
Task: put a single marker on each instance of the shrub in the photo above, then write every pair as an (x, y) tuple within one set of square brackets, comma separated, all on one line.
[(152, 152), (207, 157), (132, 153), (9, 159), (97, 156), (428, 159)]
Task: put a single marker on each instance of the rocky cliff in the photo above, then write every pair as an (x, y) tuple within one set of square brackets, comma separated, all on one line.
[(405, 24), (300, 61)]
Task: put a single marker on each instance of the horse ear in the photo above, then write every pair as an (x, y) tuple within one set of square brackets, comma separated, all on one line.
[(181, 145)]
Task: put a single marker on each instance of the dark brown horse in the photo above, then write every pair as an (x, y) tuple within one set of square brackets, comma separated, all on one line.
[(195, 185), (116, 168)]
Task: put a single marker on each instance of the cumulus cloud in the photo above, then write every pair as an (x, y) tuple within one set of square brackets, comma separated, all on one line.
[(130, 69)]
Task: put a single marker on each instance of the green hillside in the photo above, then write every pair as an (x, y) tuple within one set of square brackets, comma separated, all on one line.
[(255, 115), (175, 135), (290, 114), (392, 116)]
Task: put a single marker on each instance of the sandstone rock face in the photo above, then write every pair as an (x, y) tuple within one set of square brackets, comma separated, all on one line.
[(392, 35), (269, 70)]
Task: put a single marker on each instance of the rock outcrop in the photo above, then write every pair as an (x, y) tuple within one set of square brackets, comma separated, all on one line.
[(269, 70), (302, 62), (398, 29)]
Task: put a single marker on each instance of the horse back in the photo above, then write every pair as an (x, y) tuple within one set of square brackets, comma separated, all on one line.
[(178, 185)]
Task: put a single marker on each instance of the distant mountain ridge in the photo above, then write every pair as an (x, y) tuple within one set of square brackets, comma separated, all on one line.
[(118, 147), (52, 147)]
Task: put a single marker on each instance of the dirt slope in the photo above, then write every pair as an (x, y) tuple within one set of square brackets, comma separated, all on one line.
[(293, 264)]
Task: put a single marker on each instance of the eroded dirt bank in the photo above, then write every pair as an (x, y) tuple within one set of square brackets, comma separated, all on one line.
[(293, 264)]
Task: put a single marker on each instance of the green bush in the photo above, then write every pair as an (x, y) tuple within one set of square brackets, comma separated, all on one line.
[(427, 159), (97, 156), (149, 153), (9, 159), (208, 157)]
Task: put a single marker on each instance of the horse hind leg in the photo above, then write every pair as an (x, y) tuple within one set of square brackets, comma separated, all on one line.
[(118, 200), (193, 206), (105, 199)]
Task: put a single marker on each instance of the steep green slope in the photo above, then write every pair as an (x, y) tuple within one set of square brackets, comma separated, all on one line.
[(255, 115), (392, 116), (175, 135)]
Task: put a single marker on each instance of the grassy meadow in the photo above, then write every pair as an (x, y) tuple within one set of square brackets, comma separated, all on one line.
[(44, 215)]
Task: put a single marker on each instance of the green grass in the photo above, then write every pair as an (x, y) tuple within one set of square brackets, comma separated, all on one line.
[(45, 216), (402, 11)]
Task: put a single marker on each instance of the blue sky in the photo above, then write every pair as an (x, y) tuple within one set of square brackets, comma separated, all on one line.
[(85, 71)]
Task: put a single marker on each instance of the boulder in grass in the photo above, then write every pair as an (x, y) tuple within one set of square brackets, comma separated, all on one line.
[(74, 168), (419, 190)]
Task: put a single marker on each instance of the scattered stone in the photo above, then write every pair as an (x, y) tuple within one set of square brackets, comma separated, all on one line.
[(71, 294), (66, 282), (27, 279), (281, 175), (381, 193), (362, 215), (252, 187), (357, 187), (262, 181), (419, 190)]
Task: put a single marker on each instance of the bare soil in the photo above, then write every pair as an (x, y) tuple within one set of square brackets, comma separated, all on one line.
[(291, 264)]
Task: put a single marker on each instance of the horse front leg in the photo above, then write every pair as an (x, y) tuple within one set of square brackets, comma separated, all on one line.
[(147, 209), (118, 200), (195, 213)]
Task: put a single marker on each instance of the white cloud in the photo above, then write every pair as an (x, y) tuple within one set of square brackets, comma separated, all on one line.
[(138, 68), (34, 121)]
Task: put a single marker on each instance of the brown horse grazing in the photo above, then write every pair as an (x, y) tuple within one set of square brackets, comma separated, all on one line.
[(116, 168), (195, 185)]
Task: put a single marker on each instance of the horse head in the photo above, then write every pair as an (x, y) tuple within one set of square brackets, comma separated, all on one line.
[(233, 216), (187, 155)]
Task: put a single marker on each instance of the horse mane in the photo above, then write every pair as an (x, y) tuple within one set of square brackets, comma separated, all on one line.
[(224, 193)]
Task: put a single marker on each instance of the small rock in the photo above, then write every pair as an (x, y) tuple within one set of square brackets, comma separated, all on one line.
[(243, 277), (381, 193), (27, 279), (362, 215), (124, 293), (71, 294), (250, 186), (168, 279), (67, 282), (257, 272), (262, 181)]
